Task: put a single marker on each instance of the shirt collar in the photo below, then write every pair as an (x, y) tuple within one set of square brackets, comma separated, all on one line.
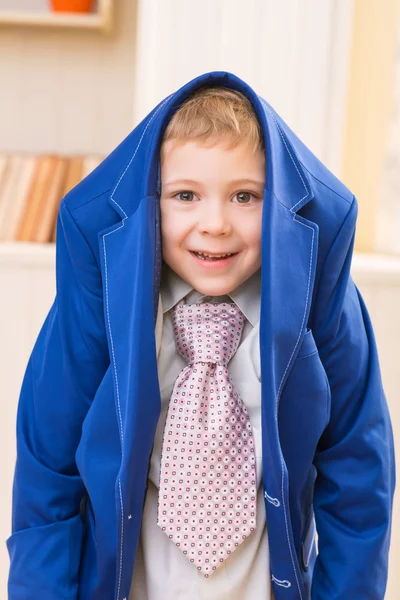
[(246, 295)]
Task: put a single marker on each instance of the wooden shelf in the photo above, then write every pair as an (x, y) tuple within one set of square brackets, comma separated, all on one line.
[(101, 20), (376, 268)]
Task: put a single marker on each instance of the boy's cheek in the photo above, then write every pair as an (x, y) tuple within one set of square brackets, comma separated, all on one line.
[(168, 218), (166, 227), (169, 248), (168, 241), (172, 236)]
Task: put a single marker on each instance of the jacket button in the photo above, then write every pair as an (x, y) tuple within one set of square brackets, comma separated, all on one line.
[(129, 516)]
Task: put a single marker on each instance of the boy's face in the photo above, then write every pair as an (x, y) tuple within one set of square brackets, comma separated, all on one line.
[(211, 201)]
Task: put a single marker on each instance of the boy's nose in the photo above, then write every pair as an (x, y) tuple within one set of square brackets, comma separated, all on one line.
[(214, 220), (214, 227)]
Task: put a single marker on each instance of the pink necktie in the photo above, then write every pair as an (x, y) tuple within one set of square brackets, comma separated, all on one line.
[(207, 491)]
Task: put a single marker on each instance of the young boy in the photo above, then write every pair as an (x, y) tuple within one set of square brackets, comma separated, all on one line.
[(187, 423)]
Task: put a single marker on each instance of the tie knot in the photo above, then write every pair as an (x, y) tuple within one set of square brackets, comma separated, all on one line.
[(207, 332)]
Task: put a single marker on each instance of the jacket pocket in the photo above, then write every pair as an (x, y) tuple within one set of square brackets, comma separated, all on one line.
[(45, 559), (308, 345)]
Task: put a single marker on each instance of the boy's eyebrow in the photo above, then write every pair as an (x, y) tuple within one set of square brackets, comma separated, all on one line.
[(193, 182)]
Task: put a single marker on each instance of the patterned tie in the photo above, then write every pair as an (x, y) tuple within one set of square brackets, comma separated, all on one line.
[(207, 491)]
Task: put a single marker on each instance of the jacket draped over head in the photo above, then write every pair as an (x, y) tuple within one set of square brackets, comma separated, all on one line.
[(90, 397)]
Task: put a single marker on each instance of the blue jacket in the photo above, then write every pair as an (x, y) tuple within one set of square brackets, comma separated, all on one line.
[(90, 397)]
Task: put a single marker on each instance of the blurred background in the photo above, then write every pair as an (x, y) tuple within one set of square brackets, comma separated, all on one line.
[(74, 85)]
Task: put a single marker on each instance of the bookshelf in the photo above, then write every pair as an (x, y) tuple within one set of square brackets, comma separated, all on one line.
[(101, 20), (31, 189)]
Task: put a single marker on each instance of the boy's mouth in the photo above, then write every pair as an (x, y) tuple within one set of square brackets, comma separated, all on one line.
[(209, 256), (213, 261)]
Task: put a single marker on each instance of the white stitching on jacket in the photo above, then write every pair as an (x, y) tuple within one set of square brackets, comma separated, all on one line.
[(284, 583), (273, 501), (117, 388)]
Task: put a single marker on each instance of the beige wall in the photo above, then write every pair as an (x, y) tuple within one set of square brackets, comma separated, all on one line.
[(67, 90), (369, 108), (387, 233)]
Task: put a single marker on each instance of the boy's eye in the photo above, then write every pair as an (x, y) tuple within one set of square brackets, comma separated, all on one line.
[(184, 194), (244, 194), (241, 195)]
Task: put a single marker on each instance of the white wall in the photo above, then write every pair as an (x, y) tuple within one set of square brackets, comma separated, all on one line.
[(293, 52), (82, 91)]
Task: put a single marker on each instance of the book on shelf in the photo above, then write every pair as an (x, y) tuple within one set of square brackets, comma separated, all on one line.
[(31, 189)]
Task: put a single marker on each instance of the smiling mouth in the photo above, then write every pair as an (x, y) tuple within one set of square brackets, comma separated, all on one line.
[(211, 257)]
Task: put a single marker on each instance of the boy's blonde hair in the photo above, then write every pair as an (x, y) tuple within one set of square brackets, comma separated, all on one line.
[(213, 113)]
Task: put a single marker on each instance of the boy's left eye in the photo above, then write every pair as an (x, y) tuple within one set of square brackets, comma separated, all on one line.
[(242, 193)]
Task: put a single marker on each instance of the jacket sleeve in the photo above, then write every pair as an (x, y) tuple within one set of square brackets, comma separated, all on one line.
[(355, 462), (66, 365)]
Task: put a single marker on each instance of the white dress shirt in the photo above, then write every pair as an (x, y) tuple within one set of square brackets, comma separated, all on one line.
[(162, 571)]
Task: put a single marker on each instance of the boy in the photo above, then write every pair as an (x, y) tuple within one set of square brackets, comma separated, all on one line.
[(305, 432)]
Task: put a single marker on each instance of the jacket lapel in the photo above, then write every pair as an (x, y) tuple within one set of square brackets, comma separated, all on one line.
[(289, 253), (127, 253)]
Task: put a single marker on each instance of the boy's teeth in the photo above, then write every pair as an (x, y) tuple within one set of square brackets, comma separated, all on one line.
[(209, 256)]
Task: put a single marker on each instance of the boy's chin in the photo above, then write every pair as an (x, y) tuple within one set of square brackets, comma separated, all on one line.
[(209, 283), (225, 285), (203, 284)]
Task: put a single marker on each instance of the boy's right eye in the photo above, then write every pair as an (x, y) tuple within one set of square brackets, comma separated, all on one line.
[(183, 194)]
